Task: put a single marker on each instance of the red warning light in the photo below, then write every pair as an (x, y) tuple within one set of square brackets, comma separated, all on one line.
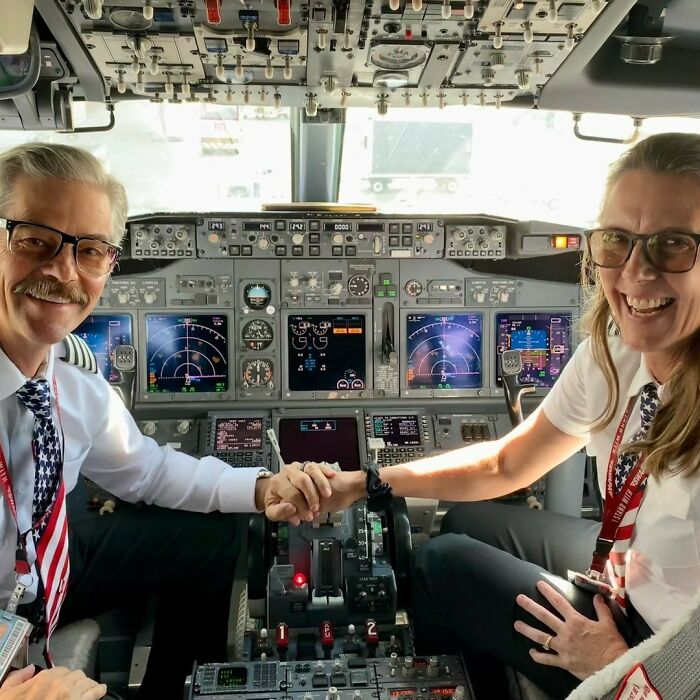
[(299, 580), (284, 12), (213, 11)]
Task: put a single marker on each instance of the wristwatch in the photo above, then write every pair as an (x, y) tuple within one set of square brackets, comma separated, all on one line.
[(379, 494), (263, 474)]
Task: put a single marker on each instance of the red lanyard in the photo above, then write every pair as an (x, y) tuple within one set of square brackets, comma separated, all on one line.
[(21, 558), (616, 504)]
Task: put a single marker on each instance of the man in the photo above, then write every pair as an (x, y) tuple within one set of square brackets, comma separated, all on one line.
[(61, 221)]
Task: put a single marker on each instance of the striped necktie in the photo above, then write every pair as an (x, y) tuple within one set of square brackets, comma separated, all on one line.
[(649, 402), (50, 527)]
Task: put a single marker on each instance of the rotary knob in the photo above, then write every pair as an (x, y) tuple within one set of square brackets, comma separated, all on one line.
[(183, 427), (149, 428), (480, 296), (264, 243), (293, 281), (149, 296), (335, 289), (123, 297), (298, 238), (312, 282), (337, 238), (503, 296)]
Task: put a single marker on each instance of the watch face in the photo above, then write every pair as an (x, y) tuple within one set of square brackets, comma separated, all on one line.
[(264, 474)]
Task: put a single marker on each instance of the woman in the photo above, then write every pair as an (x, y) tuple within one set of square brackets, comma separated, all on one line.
[(497, 587)]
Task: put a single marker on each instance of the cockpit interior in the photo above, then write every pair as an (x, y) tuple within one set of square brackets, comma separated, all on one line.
[(357, 224)]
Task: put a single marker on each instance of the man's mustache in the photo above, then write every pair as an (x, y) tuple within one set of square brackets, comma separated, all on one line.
[(51, 290)]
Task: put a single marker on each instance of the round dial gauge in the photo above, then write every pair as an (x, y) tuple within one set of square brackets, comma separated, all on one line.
[(358, 285), (257, 295), (257, 373), (413, 288), (257, 334)]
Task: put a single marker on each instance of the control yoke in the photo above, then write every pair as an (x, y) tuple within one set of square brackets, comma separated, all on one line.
[(511, 366), (125, 364)]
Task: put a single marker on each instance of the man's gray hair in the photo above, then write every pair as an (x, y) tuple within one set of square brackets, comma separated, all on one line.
[(67, 163)]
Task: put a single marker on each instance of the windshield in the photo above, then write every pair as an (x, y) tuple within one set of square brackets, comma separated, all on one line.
[(520, 164), (186, 157)]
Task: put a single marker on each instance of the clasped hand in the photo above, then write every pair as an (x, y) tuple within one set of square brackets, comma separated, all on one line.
[(297, 495), (577, 644)]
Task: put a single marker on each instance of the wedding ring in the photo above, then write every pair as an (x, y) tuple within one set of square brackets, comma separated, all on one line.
[(546, 646)]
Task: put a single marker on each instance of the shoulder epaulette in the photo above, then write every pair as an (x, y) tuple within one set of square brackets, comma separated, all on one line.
[(78, 353)]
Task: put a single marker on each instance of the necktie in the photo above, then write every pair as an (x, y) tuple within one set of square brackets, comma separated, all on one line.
[(649, 402), (48, 506)]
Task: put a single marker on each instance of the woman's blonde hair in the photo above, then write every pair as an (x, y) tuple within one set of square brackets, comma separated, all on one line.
[(50, 160), (673, 443)]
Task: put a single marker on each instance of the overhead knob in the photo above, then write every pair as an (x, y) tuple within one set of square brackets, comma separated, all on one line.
[(335, 289), (488, 76), (149, 296), (298, 238), (312, 282), (480, 296), (293, 281), (498, 60), (149, 428), (183, 427), (123, 297), (503, 296), (337, 238)]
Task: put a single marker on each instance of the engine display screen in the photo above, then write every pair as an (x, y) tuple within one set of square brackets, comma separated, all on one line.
[(187, 354), (397, 431), (444, 352), (318, 439), (102, 333), (236, 434), (326, 352), (544, 341)]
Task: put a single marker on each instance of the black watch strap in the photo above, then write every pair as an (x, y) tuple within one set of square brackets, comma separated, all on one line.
[(379, 494)]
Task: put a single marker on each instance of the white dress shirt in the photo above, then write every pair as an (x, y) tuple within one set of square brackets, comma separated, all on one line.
[(102, 441), (663, 567)]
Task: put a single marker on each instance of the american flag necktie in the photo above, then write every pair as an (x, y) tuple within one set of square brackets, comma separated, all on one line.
[(48, 507), (649, 402)]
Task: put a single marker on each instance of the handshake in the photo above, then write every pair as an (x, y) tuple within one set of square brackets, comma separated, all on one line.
[(300, 491)]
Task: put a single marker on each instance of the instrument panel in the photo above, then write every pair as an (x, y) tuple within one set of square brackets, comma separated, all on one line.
[(255, 324)]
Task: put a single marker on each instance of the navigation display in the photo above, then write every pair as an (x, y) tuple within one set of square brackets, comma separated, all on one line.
[(397, 431), (326, 352), (318, 439), (444, 352), (187, 354), (236, 434), (102, 333), (544, 341)]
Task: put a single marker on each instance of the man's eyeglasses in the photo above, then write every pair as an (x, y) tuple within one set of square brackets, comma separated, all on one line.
[(39, 244), (669, 251)]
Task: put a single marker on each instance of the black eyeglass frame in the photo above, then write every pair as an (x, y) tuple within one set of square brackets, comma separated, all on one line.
[(10, 224), (632, 238)]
